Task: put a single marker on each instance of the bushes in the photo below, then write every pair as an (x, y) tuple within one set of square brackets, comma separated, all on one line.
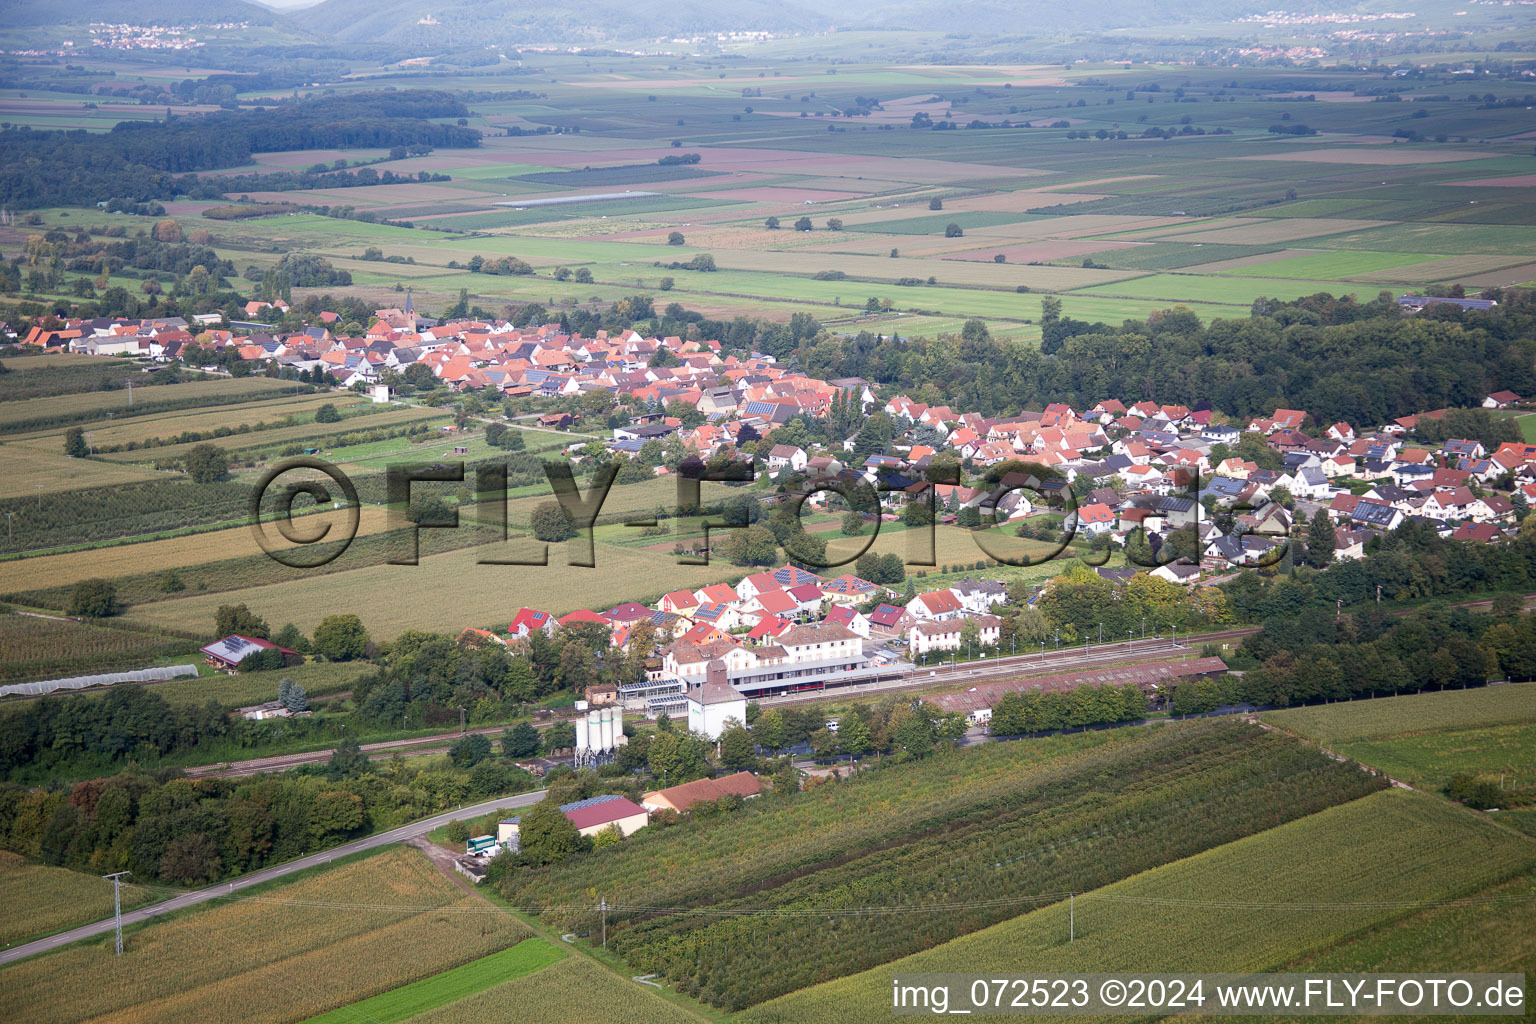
[(341, 638), (93, 599), (206, 463), (1478, 794)]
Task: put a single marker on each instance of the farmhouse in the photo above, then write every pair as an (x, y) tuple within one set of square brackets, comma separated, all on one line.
[(227, 654), (590, 817)]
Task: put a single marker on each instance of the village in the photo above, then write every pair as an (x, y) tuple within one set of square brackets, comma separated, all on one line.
[(1205, 497)]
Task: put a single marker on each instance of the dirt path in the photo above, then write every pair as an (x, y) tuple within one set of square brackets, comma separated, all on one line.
[(444, 861)]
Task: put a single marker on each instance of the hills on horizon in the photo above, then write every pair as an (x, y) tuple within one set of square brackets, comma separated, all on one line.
[(455, 24)]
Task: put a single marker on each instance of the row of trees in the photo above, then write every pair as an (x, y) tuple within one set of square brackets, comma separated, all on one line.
[(175, 830), (1310, 354), (140, 159)]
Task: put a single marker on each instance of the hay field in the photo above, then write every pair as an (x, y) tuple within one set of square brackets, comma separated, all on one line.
[(172, 553), (24, 467)]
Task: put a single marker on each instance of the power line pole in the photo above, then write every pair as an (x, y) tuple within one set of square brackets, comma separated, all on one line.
[(603, 906), (1071, 917), (117, 904)]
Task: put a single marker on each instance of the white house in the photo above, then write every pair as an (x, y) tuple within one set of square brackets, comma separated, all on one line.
[(935, 605), (926, 637), (714, 702), (781, 456), (1309, 482)]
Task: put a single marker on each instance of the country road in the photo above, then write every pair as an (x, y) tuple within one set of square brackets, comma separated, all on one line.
[(436, 743), (224, 889)]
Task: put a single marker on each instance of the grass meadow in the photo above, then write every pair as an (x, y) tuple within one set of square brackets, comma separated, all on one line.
[(420, 997), (1425, 738), (574, 989)]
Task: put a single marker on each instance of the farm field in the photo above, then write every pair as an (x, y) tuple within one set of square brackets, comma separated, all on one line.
[(390, 418), (574, 989), (74, 408), (417, 597), (1191, 288), (158, 556), (420, 997), (319, 679), (1351, 721), (1333, 265), (1426, 738), (985, 829), (45, 648), (167, 425), (39, 899), (1257, 904), (330, 938), (27, 471)]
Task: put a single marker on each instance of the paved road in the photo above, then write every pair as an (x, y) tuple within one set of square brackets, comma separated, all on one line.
[(435, 744), (190, 899)]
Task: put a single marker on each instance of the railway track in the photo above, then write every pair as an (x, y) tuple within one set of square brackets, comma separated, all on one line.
[(1017, 667)]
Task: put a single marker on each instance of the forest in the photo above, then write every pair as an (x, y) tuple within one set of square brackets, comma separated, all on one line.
[(161, 826), (1363, 363), (137, 159)]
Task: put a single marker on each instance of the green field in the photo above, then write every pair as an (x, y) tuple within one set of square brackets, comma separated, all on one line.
[(1352, 721), (1426, 738), (420, 997), (38, 647), (243, 689), (574, 989), (1192, 288), (1258, 904), (1331, 266)]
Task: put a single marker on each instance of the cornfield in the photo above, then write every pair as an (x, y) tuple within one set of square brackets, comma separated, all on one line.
[(39, 899), (256, 960)]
